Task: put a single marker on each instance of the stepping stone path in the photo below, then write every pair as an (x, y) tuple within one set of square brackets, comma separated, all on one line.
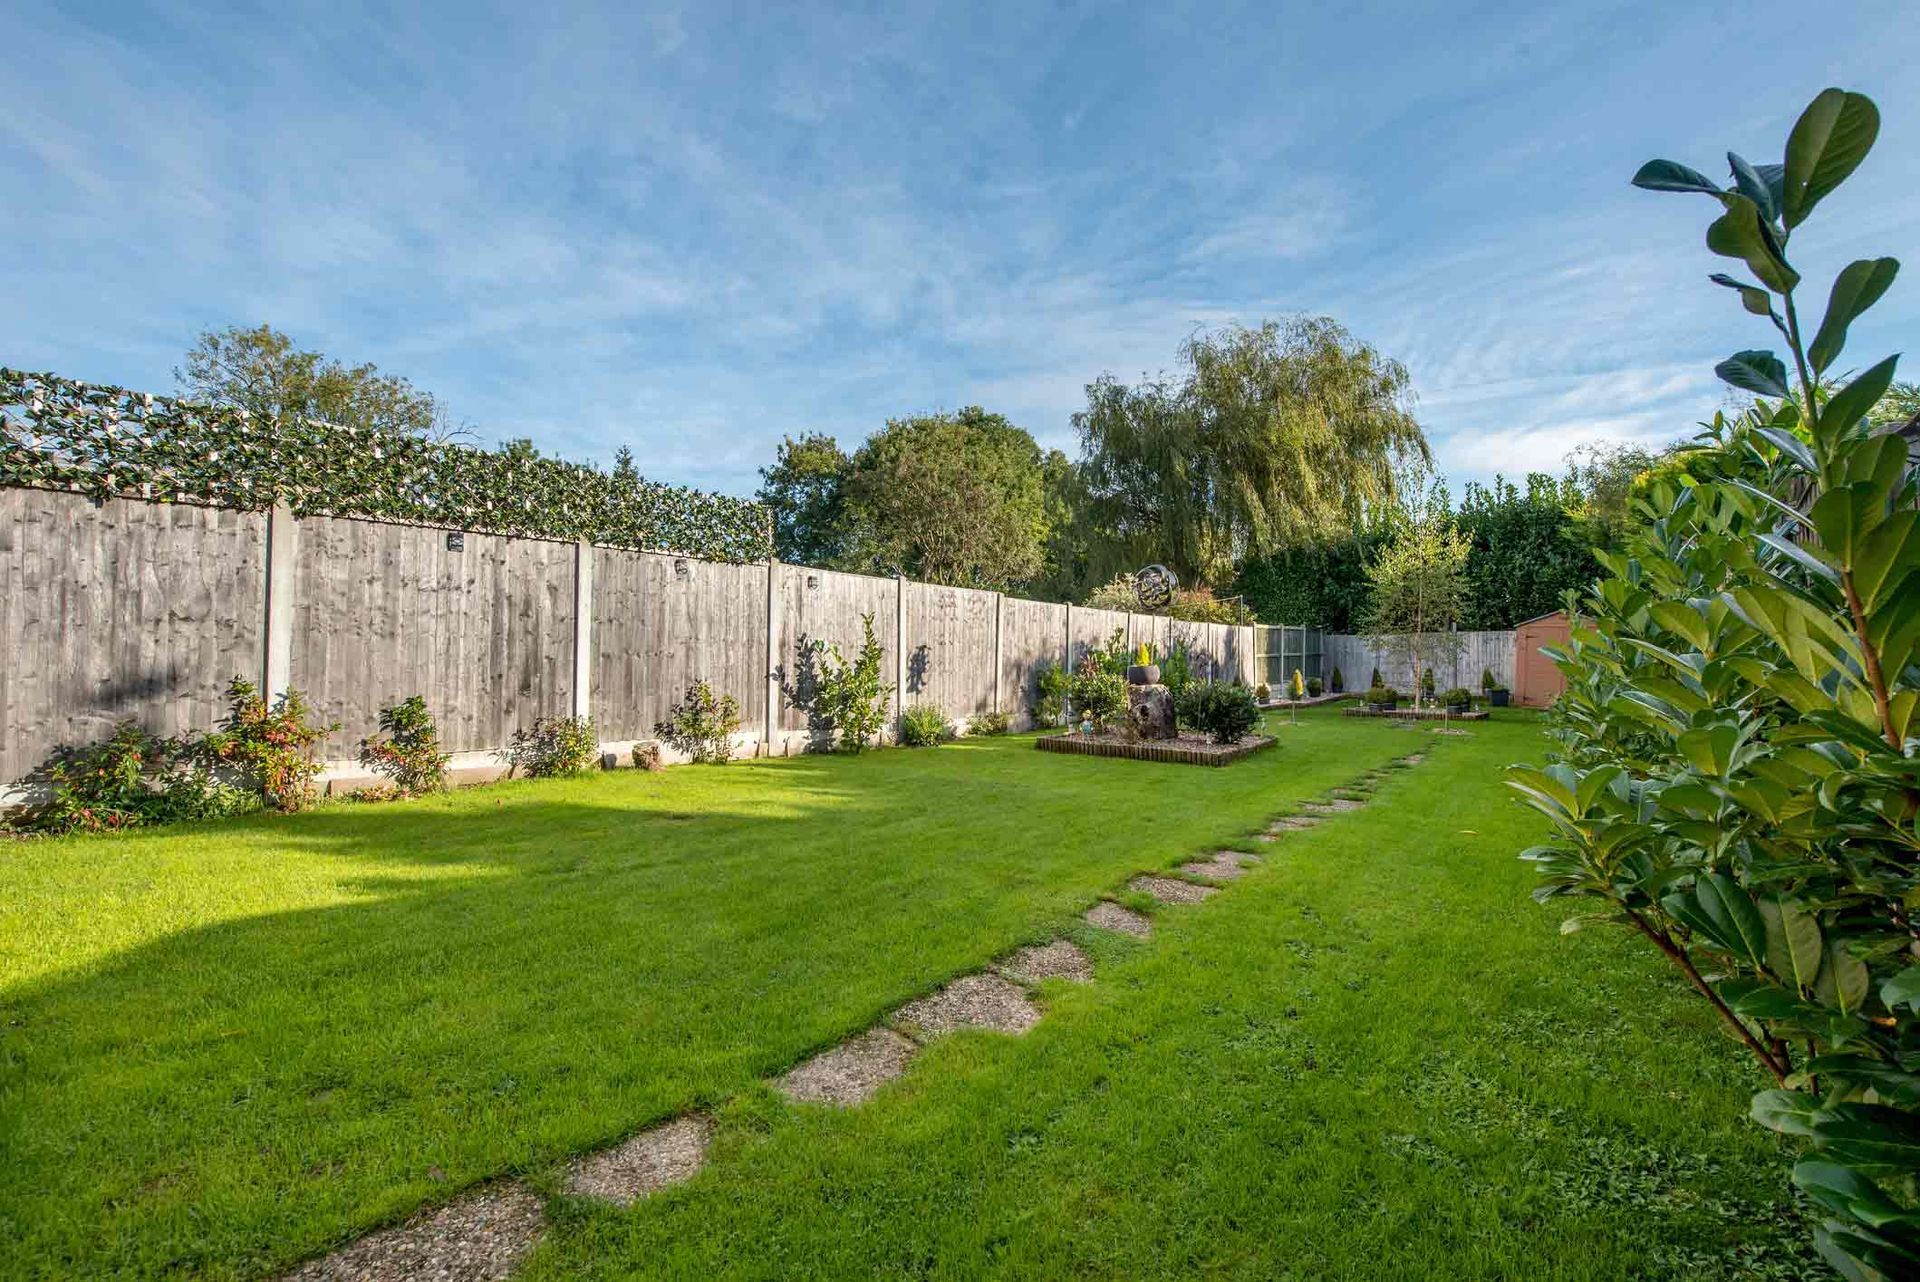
[(1061, 959), (651, 1160), (484, 1236), (1223, 865), (972, 1001), (477, 1239), (1108, 915), (1171, 890), (850, 1072), (1335, 806)]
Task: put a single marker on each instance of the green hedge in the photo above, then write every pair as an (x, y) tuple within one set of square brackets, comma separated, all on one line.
[(57, 433)]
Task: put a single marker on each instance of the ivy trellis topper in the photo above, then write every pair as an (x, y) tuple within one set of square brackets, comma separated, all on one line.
[(107, 442)]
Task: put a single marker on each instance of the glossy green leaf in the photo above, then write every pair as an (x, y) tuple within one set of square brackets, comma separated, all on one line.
[(1754, 187), (1854, 401), (1858, 287), (1759, 372), (1671, 175), (1794, 945), (1752, 297), (1788, 1112), (1739, 233), (1828, 142)]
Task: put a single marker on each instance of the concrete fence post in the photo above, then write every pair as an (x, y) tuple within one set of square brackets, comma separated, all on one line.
[(899, 656), (999, 628), (772, 728), (283, 542), (583, 629)]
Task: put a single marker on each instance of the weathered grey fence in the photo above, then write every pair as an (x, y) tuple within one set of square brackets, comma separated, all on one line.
[(121, 609), (1476, 652)]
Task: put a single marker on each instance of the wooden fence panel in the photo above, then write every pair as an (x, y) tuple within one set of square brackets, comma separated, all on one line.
[(826, 605), (1358, 656), (1092, 629), (1032, 633), (950, 648), (382, 612), (118, 611), (662, 622)]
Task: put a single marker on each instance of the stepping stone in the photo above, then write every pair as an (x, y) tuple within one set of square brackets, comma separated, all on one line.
[(850, 1072), (651, 1160), (1292, 823), (1171, 890), (1223, 865), (1061, 959), (1336, 806), (479, 1238), (1413, 758), (1108, 915), (972, 1001)]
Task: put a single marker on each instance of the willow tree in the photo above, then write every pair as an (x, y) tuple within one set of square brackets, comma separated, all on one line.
[(1264, 436)]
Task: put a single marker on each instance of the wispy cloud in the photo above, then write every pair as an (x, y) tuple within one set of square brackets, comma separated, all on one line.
[(652, 225)]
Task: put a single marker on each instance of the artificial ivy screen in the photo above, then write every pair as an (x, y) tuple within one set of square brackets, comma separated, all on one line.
[(58, 433)]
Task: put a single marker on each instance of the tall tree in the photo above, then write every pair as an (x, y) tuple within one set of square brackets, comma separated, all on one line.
[(1292, 429), (949, 498), (805, 489), (1529, 550), (1419, 586), (261, 371)]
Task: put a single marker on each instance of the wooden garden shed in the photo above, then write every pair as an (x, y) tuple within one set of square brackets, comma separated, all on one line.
[(1536, 682)]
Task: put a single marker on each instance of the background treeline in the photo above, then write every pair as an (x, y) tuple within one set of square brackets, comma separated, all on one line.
[(1529, 547), (1268, 469)]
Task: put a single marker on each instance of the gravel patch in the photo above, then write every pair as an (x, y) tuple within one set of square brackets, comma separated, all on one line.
[(1108, 915), (1171, 890), (972, 1001), (651, 1160), (477, 1239), (1061, 959), (851, 1071), (1222, 865)]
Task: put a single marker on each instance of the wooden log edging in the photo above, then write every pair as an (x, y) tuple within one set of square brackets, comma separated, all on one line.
[(1415, 714), (1221, 756)]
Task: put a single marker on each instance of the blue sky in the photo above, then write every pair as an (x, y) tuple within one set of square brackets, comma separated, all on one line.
[(691, 230)]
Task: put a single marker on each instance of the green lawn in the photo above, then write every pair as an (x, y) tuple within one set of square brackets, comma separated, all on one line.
[(227, 1048)]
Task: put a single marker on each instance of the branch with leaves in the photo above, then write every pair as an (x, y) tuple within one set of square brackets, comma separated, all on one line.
[(1736, 778)]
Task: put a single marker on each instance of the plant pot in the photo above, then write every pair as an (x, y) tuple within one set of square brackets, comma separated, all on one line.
[(1144, 674), (1498, 698)]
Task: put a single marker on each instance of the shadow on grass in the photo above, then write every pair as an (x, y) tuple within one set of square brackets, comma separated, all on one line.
[(526, 971)]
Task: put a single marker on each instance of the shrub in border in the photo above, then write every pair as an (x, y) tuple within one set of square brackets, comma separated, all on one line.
[(702, 724), (924, 725), (270, 745), (554, 747), (407, 748)]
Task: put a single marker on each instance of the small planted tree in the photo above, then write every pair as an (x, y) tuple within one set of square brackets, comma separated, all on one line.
[(1419, 586), (1736, 780), (851, 697)]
